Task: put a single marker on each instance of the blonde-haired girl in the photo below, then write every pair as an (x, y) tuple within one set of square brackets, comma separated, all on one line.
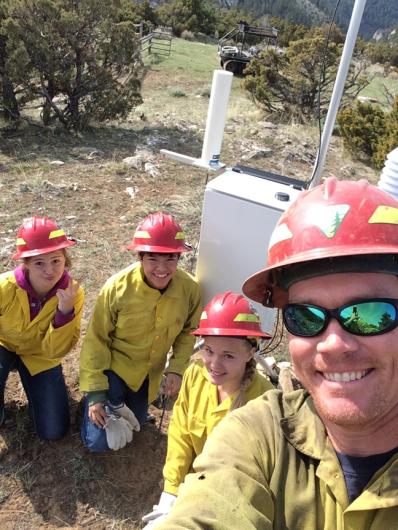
[(222, 379)]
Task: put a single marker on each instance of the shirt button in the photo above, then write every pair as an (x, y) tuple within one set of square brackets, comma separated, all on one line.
[(159, 319), (157, 337)]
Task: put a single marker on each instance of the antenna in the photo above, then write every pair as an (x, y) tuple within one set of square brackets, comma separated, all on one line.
[(216, 116), (338, 89)]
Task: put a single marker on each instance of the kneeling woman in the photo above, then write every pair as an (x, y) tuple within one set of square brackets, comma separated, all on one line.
[(224, 379), (40, 313)]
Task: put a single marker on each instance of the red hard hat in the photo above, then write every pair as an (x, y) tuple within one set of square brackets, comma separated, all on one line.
[(230, 314), (40, 235), (336, 220), (159, 232)]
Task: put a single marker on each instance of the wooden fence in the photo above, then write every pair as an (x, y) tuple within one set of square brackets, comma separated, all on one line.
[(156, 41)]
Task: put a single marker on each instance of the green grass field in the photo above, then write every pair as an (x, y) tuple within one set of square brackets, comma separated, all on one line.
[(202, 58), (167, 84), (376, 89)]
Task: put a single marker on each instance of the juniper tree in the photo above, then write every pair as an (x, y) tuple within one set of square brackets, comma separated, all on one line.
[(80, 58), (290, 83), (191, 15), (8, 101)]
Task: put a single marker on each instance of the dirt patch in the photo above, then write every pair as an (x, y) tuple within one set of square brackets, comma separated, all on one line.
[(48, 485)]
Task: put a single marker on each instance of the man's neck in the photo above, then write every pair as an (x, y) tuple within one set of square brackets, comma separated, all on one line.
[(362, 440)]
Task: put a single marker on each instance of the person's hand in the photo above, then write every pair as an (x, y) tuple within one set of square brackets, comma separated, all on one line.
[(159, 511), (67, 297), (97, 415), (172, 384)]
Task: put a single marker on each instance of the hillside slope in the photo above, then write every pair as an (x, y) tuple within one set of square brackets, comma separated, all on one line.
[(378, 14)]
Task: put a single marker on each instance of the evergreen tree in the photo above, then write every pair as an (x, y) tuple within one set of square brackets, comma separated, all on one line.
[(81, 52), (293, 81), (385, 321), (368, 130), (8, 101), (192, 15), (361, 127), (388, 138), (287, 31), (383, 52), (139, 12), (228, 19)]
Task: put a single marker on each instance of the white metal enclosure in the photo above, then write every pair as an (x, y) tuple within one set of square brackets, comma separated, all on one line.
[(240, 210)]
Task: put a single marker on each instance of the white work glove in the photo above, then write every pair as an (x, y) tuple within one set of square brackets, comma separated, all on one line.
[(160, 511), (119, 426)]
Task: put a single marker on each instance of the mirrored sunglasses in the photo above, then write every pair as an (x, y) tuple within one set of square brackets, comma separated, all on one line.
[(373, 316)]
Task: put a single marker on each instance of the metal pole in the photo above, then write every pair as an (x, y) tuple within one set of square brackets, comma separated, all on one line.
[(338, 88)]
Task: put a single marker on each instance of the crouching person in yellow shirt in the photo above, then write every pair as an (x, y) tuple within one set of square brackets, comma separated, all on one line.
[(40, 313), (224, 379), (141, 312)]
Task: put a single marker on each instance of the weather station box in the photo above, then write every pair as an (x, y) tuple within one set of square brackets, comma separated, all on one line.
[(240, 210)]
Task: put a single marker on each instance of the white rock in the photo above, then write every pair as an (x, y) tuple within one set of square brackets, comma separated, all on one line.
[(366, 99), (257, 153), (151, 169), (132, 191), (133, 161), (96, 153), (266, 125)]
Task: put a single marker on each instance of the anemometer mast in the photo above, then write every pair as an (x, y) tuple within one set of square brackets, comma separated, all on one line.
[(338, 89)]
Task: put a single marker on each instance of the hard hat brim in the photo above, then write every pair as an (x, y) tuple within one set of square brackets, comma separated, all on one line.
[(228, 332), (260, 285), (160, 249), (36, 252)]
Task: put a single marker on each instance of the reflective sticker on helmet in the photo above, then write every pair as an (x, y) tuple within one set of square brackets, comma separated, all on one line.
[(384, 215), (203, 316), (56, 233), (180, 235), (246, 317), (281, 233), (329, 218), (21, 241), (142, 234)]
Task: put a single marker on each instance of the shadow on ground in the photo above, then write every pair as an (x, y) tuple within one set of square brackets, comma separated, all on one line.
[(38, 145), (61, 484)]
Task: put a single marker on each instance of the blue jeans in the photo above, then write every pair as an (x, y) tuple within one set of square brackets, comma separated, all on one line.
[(92, 436), (46, 393)]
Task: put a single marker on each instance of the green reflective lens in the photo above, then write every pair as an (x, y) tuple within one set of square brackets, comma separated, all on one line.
[(368, 318), (304, 320)]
